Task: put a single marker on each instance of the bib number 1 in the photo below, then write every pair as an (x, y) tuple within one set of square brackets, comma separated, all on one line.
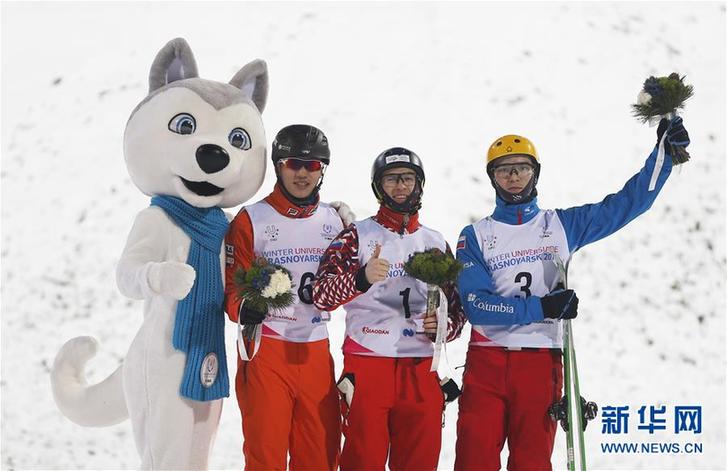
[(405, 295)]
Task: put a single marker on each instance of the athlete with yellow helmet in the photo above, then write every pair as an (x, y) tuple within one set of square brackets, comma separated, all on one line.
[(510, 294)]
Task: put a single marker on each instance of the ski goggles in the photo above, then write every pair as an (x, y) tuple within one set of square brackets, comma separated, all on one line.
[(297, 164), (505, 170), (408, 179)]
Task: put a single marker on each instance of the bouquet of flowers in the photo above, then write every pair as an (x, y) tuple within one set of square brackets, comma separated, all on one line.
[(435, 268), (660, 98), (264, 287)]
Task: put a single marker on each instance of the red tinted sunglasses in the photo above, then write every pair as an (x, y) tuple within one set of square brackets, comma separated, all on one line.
[(297, 164)]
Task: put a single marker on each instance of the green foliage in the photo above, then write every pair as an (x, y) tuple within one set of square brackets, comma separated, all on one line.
[(667, 95), (251, 283), (433, 267)]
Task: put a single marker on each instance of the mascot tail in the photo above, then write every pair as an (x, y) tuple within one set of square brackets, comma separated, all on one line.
[(98, 405)]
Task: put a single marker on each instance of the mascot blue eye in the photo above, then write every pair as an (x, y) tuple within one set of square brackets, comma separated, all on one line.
[(240, 139), (183, 123)]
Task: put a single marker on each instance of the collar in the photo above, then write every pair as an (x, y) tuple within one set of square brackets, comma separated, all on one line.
[(515, 213), (284, 206), (400, 223)]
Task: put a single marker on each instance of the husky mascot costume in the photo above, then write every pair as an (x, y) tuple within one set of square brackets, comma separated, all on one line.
[(194, 146)]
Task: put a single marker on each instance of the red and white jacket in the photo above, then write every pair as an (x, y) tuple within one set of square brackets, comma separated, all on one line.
[(382, 319), (294, 237)]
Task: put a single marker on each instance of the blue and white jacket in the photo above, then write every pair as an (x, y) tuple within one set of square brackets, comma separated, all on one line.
[(509, 257)]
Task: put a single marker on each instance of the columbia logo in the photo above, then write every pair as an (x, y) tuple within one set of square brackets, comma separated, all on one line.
[(471, 297)]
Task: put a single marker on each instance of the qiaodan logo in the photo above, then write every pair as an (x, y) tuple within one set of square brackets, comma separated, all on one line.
[(369, 330)]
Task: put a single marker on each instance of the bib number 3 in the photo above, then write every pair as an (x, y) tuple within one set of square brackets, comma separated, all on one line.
[(525, 288)]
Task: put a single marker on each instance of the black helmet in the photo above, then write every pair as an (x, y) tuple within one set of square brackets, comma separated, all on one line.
[(304, 142), (301, 141), (396, 157)]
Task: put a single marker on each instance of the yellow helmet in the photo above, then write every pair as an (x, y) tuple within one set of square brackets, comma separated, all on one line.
[(511, 144)]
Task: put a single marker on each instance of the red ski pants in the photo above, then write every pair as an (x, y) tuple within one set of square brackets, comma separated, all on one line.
[(289, 404), (396, 411), (506, 395)]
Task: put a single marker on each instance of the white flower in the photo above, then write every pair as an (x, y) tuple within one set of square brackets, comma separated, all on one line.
[(643, 98), (279, 284)]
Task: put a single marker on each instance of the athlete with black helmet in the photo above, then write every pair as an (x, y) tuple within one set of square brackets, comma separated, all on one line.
[(397, 403), (286, 392), (511, 293), (398, 157), (301, 146)]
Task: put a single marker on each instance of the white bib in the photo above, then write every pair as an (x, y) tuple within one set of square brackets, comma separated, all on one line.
[(382, 320), (520, 261), (296, 244)]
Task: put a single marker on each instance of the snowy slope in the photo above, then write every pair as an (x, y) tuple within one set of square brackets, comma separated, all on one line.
[(442, 79)]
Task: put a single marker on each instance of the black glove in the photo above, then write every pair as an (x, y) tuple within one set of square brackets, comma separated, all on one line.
[(562, 304), (250, 316), (676, 134)]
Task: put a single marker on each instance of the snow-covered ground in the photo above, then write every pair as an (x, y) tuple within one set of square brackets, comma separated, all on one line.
[(443, 79)]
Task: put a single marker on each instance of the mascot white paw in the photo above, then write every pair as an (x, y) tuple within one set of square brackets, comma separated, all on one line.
[(344, 212), (195, 146)]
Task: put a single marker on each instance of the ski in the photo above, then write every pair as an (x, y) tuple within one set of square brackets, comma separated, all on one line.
[(570, 451), (573, 411)]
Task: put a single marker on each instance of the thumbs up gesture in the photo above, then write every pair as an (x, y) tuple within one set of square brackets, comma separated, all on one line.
[(377, 268)]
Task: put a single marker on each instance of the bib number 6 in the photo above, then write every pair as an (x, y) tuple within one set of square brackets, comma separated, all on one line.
[(305, 288)]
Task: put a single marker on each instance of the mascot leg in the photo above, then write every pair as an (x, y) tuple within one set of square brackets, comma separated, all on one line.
[(171, 432)]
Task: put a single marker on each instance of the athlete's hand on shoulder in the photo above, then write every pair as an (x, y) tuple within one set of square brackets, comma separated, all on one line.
[(560, 304), (376, 268)]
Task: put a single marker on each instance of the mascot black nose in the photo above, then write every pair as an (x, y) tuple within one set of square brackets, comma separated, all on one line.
[(212, 158)]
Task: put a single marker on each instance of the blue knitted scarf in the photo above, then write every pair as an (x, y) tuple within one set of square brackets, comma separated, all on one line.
[(199, 326)]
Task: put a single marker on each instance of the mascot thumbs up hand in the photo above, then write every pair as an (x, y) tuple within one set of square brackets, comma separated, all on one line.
[(194, 146)]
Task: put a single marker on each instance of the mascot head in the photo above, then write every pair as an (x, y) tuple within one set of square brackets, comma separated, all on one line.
[(196, 139)]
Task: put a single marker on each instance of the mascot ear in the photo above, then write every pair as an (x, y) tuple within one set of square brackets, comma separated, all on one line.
[(173, 62), (252, 79)]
